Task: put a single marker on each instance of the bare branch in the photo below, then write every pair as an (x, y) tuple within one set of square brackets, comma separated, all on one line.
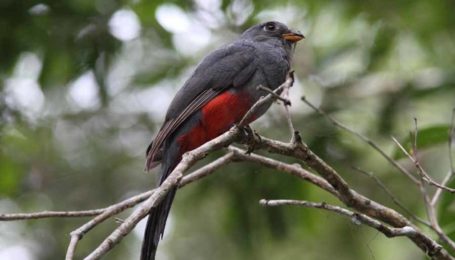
[(171, 181), (346, 195), (350, 197), (293, 169), (357, 218), (77, 234), (207, 169), (121, 206), (72, 247), (110, 211), (433, 249), (130, 222), (394, 163), (50, 214)]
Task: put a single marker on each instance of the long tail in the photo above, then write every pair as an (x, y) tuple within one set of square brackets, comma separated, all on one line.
[(155, 226)]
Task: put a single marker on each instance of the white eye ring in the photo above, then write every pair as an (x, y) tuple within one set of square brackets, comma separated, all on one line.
[(269, 27)]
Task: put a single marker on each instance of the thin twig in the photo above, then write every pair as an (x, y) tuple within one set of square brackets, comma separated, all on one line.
[(422, 184), (275, 95), (430, 209), (264, 100), (451, 171), (438, 192), (432, 214), (394, 199), (294, 134), (110, 211), (422, 173), (361, 137)]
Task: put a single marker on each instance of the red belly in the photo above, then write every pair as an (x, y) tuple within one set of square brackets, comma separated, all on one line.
[(218, 116)]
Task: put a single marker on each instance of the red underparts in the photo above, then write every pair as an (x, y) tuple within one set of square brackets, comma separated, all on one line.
[(218, 116)]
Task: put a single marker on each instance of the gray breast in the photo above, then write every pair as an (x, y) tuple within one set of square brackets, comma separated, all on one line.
[(274, 64)]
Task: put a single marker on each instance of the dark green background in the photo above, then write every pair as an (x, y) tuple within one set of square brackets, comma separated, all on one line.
[(374, 65)]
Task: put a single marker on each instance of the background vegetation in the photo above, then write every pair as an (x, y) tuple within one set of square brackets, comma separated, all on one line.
[(85, 84)]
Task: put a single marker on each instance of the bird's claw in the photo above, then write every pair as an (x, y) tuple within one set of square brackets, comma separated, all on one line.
[(252, 138)]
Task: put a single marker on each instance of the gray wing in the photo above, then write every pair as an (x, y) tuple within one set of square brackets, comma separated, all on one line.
[(231, 66)]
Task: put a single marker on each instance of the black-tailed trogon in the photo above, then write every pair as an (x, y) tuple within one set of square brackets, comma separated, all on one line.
[(220, 91)]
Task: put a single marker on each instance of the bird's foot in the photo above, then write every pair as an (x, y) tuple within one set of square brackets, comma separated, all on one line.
[(251, 137)]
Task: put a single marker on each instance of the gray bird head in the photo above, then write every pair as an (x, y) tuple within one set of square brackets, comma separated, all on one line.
[(273, 32)]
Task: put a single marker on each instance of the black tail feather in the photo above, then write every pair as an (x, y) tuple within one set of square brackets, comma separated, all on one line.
[(155, 226)]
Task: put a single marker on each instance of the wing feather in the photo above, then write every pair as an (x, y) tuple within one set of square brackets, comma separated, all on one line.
[(229, 67)]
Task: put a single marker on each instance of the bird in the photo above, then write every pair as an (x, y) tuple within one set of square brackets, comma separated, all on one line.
[(220, 91)]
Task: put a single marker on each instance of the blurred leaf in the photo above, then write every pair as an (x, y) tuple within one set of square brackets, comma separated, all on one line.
[(353, 64), (9, 179), (426, 138)]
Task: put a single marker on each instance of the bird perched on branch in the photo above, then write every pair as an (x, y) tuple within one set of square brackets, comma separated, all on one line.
[(217, 95)]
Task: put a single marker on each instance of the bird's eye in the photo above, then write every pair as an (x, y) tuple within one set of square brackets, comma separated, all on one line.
[(270, 27)]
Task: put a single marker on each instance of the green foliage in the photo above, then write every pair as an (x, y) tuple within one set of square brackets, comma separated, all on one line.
[(426, 138), (79, 105)]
